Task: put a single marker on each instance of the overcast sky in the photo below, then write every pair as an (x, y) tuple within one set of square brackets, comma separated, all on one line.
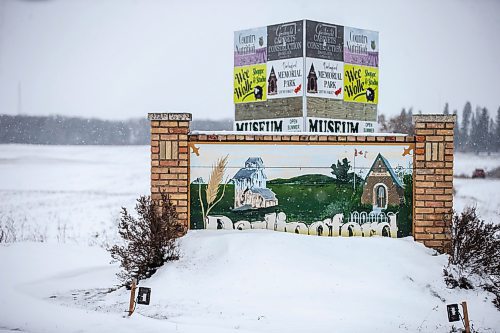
[(118, 59)]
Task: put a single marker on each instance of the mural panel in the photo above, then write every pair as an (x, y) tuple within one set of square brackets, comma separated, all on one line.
[(323, 189)]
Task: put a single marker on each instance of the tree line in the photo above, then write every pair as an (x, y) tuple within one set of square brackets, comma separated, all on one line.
[(61, 130), (475, 131)]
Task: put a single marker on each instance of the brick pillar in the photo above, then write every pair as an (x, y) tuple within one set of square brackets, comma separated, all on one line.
[(433, 183), (170, 159)]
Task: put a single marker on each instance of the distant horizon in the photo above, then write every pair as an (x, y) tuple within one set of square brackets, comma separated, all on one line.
[(121, 59)]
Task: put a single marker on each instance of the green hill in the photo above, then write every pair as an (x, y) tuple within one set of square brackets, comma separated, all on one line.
[(314, 179)]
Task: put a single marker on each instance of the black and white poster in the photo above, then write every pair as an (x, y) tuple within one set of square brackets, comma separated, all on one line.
[(285, 40), (324, 41)]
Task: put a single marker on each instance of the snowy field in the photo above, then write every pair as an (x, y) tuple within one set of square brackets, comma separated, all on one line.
[(482, 193), (251, 281)]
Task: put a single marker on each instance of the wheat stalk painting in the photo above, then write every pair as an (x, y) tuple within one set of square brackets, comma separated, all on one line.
[(213, 187)]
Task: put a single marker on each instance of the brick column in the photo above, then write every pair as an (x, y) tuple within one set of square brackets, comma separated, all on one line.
[(170, 159), (433, 183)]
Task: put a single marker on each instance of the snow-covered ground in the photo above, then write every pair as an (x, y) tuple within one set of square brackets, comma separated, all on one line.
[(250, 281), (70, 193), (482, 193), (465, 163)]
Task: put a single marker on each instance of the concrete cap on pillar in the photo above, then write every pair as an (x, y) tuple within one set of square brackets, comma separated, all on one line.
[(434, 118), (170, 116)]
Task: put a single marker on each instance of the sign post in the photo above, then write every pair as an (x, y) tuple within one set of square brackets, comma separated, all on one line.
[(454, 314), (466, 317), (132, 297)]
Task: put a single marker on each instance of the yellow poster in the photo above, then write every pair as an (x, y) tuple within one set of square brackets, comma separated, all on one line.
[(250, 83), (360, 84)]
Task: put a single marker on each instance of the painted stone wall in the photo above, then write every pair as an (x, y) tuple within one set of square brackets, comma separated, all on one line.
[(324, 185)]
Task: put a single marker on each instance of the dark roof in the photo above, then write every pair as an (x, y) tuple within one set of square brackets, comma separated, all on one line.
[(312, 72), (245, 173), (256, 160), (395, 178), (265, 192)]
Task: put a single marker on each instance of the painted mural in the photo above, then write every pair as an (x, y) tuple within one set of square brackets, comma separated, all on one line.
[(324, 189)]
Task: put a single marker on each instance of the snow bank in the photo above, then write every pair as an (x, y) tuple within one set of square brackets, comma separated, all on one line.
[(244, 281), (240, 281)]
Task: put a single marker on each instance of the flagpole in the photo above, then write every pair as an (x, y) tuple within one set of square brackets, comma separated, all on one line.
[(354, 171)]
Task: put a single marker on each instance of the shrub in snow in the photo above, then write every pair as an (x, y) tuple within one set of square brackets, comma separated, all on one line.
[(149, 239), (12, 231), (475, 254)]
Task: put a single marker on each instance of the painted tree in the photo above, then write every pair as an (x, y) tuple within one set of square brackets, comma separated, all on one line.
[(341, 170)]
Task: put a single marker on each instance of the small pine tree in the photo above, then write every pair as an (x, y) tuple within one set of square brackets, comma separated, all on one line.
[(473, 136), (456, 133), (149, 239), (497, 131), (464, 131), (446, 110), (382, 123), (484, 130)]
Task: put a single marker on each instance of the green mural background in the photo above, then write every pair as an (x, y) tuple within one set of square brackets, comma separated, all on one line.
[(306, 189)]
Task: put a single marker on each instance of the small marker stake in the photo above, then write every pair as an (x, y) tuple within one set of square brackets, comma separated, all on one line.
[(132, 297), (466, 317)]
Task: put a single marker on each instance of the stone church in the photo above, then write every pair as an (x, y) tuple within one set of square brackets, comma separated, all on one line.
[(382, 187)]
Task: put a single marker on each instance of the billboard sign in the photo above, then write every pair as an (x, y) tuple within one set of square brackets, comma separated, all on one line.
[(285, 78), (285, 41), (324, 41), (250, 83), (270, 125), (360, 47), (328, 125), (250, 47), (360, 84), (324, 78)]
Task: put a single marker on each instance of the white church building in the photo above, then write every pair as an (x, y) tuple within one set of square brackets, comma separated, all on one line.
[(250, 190)]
